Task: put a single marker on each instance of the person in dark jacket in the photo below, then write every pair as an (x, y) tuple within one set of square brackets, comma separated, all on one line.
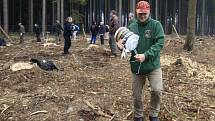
[(58, 29), (113, 26), (68, 32), (2, 42), (21, 32), (37, 32), (102, 30), (131, 18), (146, 63), (94, 32)]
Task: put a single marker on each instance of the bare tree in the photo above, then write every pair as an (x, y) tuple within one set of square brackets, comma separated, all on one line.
[(203, 18), (5, 13), (31, 13), (58, 10), (120, 12), (44, 16), (62, 12), (191, 26), (156, 9)]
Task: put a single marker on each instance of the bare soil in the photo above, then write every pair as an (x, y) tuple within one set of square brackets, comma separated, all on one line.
[(91, 75)]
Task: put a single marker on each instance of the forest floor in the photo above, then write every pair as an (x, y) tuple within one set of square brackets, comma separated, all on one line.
[(92, 86)]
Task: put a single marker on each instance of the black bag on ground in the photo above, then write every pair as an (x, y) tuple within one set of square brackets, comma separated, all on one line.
[(44, 64)]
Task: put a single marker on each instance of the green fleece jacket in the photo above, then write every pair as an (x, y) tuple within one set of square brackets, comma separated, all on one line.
[(131, 21), (151, 41)]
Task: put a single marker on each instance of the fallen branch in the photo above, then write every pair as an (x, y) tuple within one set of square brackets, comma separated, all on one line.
[(198, 113), (190, 83), (174, 94), (212, 106), (114, 104), (42, 111), (210, 36), (101, 113), (128, 115), (97, 111), (92, 92), (176, 31), (5, 33), (85, 36), (5, 108), (113, 117), (166, 109)]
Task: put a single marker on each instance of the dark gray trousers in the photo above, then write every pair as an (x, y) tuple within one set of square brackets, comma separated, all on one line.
[(155, 81), (112, 44)]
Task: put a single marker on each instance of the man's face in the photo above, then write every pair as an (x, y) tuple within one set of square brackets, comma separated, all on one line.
[(130, 17), (142, 16), (112, 15)]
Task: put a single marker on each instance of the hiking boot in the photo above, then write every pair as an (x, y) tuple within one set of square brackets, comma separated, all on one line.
[(113, 55), (138, 118), (65, 53), (153, 118)]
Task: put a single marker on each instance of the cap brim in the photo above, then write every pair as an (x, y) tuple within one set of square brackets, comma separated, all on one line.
[(142, 11)]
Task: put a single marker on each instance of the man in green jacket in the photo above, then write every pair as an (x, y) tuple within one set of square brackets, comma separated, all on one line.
[(146, 62)]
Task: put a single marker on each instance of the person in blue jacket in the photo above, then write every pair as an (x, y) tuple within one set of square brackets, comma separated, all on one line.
[(102, 30), (68, 32), (94, 32)]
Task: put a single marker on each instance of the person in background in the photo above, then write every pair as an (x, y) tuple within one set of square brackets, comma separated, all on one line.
[(58, 29), (68, 32), (94, 32), (2, 42), (131, 18), (102, 31), (106, 36), (76, 29), (113, 26), (21, 32), (145, 63), (37, 32)]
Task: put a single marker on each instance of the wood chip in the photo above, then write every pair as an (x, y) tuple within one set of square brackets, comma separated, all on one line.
[(37, 112)]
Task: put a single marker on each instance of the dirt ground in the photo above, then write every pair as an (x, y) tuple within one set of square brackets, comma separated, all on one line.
[(90, 77)]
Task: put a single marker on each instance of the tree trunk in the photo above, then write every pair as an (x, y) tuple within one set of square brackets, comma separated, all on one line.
[(94, 11), (191, 25), (132, 5), (165, 21), (203, 18), (213, 18), (106, 12), (62, 12), (179, 16), (20, 11), (5, 14), (156, 9), (44, 16), (58, 10), (0, 18), (53, 12), (90, 14), (120, 12), (31, 14)]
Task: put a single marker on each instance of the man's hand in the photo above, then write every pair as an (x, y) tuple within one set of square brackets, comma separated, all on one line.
[(140, 57), (120, 44)]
